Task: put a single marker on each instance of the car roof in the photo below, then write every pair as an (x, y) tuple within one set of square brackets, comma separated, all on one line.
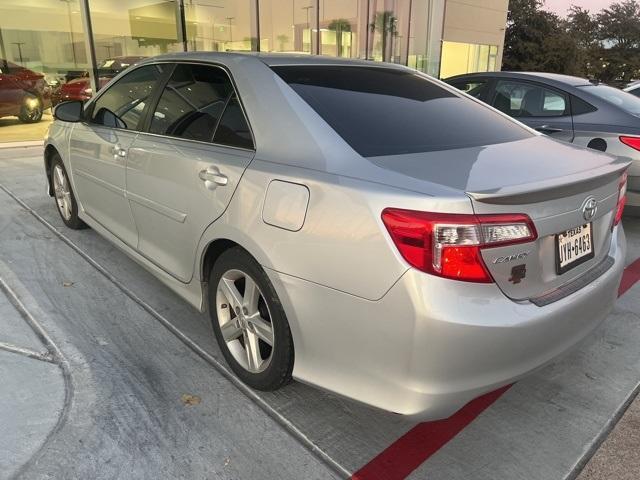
[(270, 59), (550, 78)]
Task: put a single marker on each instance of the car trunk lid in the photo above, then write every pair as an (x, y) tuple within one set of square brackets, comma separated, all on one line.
[(551, 182)]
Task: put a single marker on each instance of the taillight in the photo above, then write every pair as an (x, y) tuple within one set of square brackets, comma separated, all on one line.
[(633, 142), (449, 245), (622, 199)]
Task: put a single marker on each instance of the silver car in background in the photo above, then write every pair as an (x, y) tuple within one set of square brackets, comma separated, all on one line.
[(633, 88), (360, 227), (571, 109)]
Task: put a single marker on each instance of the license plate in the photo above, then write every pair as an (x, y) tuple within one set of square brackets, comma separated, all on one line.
[(573, 247)]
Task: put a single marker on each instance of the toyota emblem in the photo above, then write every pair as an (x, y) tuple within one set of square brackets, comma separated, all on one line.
[(589, 208)]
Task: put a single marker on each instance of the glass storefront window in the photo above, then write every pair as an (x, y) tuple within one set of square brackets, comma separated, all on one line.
[(41, 49), (221, 25), (458, 58), (288, 26), (389, 29), (44, 56), (343, 28), (134, 28)]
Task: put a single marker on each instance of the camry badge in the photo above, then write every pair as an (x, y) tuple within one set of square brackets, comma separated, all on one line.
[(589, 208)]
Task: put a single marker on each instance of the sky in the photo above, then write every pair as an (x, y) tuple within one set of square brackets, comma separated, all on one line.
[(561, 6)]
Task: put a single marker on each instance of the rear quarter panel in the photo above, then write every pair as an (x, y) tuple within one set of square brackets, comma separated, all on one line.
[(342, 244)]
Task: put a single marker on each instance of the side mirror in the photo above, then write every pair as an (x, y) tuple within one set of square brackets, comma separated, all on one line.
[(68, 111)]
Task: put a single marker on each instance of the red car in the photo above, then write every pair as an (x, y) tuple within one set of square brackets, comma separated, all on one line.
[(80, 88), (23, 93)]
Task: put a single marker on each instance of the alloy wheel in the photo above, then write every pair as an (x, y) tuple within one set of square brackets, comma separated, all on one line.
[(62, 192), (245, 321)]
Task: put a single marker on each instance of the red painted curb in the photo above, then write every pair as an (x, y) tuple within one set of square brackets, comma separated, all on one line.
[(630, 276), (415, 447)]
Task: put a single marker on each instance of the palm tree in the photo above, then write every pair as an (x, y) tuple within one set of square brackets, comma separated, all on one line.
[(339, 25), (387, 24), (282, 39)]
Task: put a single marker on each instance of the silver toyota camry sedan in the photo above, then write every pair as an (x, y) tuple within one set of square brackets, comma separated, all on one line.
[(356, 226)]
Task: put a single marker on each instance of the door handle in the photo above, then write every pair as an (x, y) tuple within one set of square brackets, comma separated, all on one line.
[(118, 151), (212, 178), (548, 129)]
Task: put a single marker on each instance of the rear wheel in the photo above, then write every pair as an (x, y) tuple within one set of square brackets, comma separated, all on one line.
[(31, 111), (65, 199), (249, 322)]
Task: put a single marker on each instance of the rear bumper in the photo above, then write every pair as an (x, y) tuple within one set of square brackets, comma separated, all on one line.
[(431, 345)]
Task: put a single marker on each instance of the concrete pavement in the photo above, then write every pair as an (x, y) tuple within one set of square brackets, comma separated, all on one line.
[(127, 418), (32, 392)]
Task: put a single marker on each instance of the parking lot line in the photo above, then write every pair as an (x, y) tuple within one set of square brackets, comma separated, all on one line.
[(416, 446), (412, 449)]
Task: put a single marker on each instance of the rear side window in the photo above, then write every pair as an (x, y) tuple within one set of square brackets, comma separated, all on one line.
[(523, 99), (382, 111), (233, 129), (579, 106), (122, 105), (192, 102)]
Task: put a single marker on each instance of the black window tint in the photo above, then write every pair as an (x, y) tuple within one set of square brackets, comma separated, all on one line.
[(579, 106), (382, 111), (122, 105), (475, 88), (523, 99), (192, 102), (233, 129)]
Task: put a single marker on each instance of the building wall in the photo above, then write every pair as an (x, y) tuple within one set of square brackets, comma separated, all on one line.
[(468, 23)]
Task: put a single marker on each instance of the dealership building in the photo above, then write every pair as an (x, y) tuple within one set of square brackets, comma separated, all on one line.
[(67, 39)]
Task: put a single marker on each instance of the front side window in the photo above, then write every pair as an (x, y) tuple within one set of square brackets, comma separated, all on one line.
[(475, 88), (122, 105), (383, 111), (192, 102), (522, 99)]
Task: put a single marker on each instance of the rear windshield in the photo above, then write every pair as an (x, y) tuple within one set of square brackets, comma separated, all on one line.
[(627, 102), (380, 111)]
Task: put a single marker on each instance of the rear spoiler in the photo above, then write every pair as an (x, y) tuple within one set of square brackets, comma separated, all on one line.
[(553, 188)]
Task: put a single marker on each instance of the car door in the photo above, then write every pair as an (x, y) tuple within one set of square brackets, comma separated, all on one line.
[(546, 109), (11, 91), (182, 172), (99, 146)]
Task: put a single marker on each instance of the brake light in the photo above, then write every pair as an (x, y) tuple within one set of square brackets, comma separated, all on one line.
[(449, 245), (633, 142), (622, 199)]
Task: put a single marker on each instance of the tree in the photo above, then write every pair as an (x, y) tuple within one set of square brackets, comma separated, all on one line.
[(619, 32), (339, 25), (386, 24), (584, 29), (537, 40), (282, 39)]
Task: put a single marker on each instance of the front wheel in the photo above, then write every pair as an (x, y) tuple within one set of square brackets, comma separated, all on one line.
[(249, 322)]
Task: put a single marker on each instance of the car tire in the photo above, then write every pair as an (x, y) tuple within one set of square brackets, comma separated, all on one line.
[(31, 110), (250, 318), (63, 193)]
